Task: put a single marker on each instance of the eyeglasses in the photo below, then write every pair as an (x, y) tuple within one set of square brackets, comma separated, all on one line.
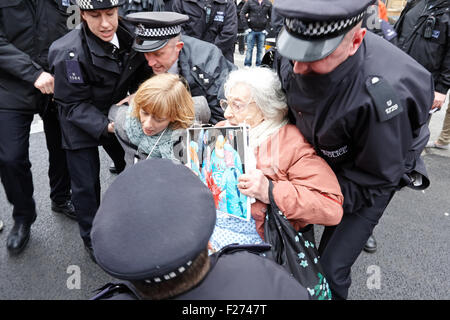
[(236, 106)]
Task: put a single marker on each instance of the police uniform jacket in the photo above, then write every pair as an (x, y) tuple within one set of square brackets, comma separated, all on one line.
[(259, 16), (215, 23), (429, 42), (206, 70), (27, 28), (132, 6), (235, 274), (371, 136), (90, 76)]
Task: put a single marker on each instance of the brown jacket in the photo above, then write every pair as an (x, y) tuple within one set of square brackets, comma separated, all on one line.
[(305, 188)]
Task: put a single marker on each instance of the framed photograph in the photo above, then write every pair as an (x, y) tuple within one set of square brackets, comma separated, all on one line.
[(217, 155)]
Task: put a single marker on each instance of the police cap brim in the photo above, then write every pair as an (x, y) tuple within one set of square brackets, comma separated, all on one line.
[(302, 50), (142, 45)]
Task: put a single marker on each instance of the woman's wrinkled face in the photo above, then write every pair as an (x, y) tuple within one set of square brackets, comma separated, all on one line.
[(152, 125), (102, 23), (241, 107)]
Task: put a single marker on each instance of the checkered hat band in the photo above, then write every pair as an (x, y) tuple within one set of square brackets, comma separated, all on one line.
[(157, 33), (170, 275), (321, 29), (85, 4), (88, 4)]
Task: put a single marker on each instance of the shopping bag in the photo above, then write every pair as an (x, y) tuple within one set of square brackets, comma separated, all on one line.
[(294, 252)]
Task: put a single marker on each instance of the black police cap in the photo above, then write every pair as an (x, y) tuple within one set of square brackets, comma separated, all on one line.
[(154, 29), (154, 220), (313, 29), (97, 4)]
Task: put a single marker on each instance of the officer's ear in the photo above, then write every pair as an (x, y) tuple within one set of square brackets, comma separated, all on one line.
[(179, 45), (357, 39)]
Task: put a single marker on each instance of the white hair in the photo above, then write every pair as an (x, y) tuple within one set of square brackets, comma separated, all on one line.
[(265, 88)]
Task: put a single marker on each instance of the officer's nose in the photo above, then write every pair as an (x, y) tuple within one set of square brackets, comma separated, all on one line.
[(301, 67), (105, 23), (150, 58)]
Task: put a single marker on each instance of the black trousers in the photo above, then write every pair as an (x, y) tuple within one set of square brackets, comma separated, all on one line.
[(15, 166), (241, 42), (84, 169), (58, 172), (341, 245)]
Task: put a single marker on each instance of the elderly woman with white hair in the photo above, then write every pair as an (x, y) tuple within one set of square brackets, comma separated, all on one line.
[(305, 188)]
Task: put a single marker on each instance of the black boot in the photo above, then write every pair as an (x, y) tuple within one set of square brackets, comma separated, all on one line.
[(18, 237), (371, 245), (65, 208)]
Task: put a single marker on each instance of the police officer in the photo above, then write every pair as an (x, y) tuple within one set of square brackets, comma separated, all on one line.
[(27, 28), (424, 33), (94, 68), (364, 114), (152, 230), (201, 63), (214, 21)]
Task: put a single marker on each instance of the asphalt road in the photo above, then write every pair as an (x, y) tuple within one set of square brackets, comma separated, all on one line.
[(413, 236)]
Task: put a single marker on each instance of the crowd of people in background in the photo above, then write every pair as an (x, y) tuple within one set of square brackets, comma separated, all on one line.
[(134, 75)]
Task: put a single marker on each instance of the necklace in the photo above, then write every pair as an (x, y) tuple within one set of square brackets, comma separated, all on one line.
[(157, 141)]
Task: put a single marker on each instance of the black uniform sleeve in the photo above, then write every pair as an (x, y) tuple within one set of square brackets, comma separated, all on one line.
[(443, 81), (143, 73), (75, 100), (379, 153), (227, 37), (17, 63), (216, 91)]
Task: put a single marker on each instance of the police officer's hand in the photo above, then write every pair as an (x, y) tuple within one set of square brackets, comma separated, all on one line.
[(45, 83), (439, 99), (111, 127), (255, 184), (246, 32)]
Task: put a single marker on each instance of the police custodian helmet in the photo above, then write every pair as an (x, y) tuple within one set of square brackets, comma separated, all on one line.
[(154, 220), (97, 4), (313, 29), (154, 29)]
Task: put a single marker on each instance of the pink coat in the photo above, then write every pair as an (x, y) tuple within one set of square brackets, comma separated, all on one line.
[(305, 188)]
